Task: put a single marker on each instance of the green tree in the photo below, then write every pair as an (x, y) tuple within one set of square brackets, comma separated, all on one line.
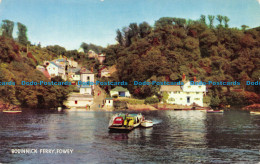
[(220, 19), (7, 27), (244, 27), (145, 29), (119, 37), (203, 19), (22, 33), (226, 20), (211, 20)]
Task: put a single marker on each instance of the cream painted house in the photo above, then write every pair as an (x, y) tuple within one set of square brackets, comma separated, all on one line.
[(184, 95), (79, 100)]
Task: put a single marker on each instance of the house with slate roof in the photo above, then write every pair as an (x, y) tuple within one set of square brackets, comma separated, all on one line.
[(56, 70)]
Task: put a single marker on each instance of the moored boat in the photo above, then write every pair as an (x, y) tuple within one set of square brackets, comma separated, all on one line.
[(12, 111), (147, 123), (215, 111), (125, 121), (252, 112)]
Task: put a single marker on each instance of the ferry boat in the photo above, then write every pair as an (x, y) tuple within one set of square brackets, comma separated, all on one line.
[(125, 121)]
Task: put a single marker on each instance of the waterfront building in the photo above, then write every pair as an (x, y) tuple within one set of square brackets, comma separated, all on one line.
[(79, 100), (119, 91), (184, 95)]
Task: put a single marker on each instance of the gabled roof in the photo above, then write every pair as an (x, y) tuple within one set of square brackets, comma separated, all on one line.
[(84, 70), (170, 88), (119, 89), (57, 65), (60, 60), (74, 70)]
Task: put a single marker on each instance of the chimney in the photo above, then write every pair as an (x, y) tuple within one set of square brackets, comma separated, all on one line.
[(194, 79), (183, 77)]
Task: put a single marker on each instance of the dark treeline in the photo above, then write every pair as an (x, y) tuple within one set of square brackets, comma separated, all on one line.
[(174, 46)]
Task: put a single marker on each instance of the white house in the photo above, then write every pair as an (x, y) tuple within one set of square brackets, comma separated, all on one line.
[(184, 95), (120, 91), (56, 70), (108, 102), (73, 63), (105, 73), (79, 100), (74, 74), (86, 75)]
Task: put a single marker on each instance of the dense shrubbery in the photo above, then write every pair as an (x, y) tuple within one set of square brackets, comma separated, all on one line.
[(17, 66), (175, 46), (151, 100)]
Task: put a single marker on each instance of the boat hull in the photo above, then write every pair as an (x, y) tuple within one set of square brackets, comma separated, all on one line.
[(12, 112), (257, 113), (215, 111), (147, 124), (121, 128)]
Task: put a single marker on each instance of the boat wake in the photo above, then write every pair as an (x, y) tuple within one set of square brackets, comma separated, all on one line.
[(155, 121)]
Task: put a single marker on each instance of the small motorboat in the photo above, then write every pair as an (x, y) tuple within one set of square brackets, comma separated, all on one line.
[(147, 123), (215, 111), (257, 113), (12, 111)]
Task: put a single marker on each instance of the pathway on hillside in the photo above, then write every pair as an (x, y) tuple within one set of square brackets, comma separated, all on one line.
[(98, 98)]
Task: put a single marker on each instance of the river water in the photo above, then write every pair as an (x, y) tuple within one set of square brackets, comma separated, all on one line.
[(177, 136)]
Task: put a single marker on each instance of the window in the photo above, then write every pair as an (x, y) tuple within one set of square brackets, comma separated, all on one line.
[(175, 92), (197, 92), (180, 98), (171, 99), (76, 102), (189, 86), (188, 92), (199, 86), (197, 99), (88, 78)]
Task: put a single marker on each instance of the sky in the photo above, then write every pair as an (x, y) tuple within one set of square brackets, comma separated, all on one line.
[(68, 23)]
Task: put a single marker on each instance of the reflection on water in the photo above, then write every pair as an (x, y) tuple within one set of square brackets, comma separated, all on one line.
[(177, 136)]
